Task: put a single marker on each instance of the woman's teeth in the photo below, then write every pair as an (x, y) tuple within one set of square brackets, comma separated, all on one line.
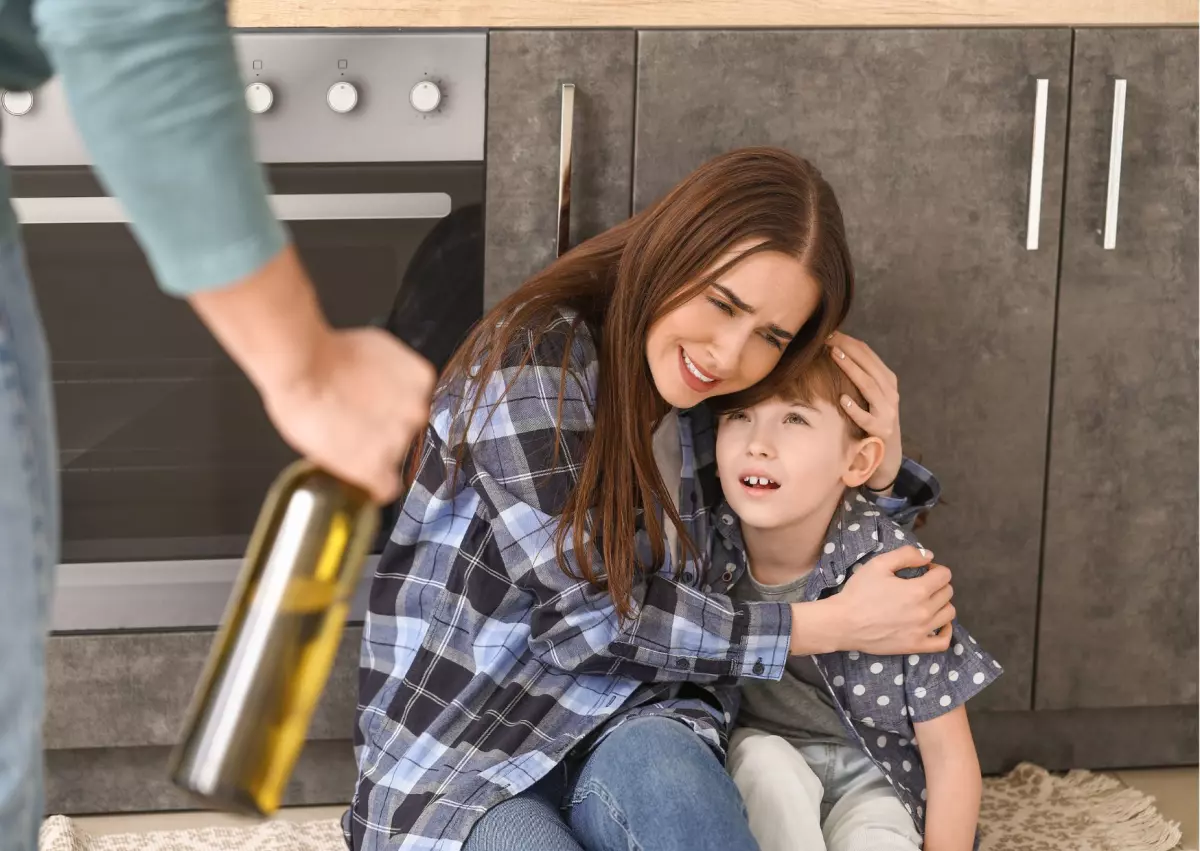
[(759, 482), (691, 367)]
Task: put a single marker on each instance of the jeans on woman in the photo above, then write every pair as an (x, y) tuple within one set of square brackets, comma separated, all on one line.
[(650, 785), (28, 548)]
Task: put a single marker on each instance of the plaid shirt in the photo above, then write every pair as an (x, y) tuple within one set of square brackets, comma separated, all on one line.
[(483, 663), (879, 698)]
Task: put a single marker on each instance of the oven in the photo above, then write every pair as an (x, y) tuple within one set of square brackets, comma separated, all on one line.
[(374, 148)]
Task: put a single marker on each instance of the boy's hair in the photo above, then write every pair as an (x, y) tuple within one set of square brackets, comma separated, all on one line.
[(822, 379)]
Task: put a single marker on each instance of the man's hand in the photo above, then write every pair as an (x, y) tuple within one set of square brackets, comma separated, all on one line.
[(350, 401)]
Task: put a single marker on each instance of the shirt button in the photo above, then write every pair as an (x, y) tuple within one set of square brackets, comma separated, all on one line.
[(688, 577), (727, 576), (681, 664), (758, 667)]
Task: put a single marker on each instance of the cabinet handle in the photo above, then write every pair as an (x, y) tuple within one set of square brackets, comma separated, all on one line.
[(1114, 166), (1037, 166), (563, 236)]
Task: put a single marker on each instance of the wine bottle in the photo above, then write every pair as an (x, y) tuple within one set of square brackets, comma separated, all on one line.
[(275, 647)]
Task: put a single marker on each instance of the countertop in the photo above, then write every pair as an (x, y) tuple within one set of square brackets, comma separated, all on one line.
[(709, 13)]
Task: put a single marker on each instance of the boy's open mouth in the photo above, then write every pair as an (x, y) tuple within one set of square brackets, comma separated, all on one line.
[(760, 483)]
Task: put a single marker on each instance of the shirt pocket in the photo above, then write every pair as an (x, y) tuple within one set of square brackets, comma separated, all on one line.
[(870, 689)]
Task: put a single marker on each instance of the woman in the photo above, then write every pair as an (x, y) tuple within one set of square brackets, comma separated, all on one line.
[(546, 664)]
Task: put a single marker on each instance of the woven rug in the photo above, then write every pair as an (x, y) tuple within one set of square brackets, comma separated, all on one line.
[(1027, 810)]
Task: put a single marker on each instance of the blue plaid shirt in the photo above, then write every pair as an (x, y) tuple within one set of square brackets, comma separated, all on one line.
[(483, 663)]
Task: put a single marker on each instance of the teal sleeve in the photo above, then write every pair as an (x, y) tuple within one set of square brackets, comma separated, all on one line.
[(155, 91)]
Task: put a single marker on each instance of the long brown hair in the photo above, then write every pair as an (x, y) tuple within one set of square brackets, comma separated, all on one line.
[(619, 284)]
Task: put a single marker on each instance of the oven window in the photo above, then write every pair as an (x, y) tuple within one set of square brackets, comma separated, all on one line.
[(166, 452)]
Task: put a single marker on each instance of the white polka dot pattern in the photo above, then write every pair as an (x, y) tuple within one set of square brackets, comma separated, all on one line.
[(882, 697)]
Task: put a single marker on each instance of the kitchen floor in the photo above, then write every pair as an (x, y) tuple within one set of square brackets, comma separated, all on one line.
[(1177, 791)]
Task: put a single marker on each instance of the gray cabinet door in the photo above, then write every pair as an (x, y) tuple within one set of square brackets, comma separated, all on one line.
[(926, 136), (1118, 617), (526, 71)]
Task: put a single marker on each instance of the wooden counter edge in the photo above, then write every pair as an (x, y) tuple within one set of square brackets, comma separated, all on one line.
[(710, 13)]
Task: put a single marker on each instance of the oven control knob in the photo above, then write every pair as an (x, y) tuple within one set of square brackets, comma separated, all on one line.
[(342, 97), (17, 103), (259, 98), (425, 96)]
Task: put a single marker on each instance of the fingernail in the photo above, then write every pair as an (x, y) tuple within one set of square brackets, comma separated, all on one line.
[(847, 401), (922, 552), (839, 353)]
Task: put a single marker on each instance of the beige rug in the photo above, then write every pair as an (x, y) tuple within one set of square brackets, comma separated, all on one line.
[(1028, 810)]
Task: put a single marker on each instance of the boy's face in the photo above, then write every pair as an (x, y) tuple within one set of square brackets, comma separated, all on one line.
[(781, 462)]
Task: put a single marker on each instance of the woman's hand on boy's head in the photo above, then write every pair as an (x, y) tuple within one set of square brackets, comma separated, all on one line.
[(880, 387)]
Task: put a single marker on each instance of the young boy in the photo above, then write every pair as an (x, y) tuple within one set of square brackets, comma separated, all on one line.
[(827, 758)]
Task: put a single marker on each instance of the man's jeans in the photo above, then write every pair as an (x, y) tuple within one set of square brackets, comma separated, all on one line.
[(28, 548)]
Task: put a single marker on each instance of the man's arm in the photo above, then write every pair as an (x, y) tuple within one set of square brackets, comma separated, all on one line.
[(953, 781), (155, 91)]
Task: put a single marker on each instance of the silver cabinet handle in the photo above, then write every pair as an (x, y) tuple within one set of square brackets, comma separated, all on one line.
[(1037, 166), (1114, 166), (100, 209), (562, 238)]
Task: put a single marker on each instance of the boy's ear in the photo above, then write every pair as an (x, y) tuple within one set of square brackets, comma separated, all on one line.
[(865, 457)]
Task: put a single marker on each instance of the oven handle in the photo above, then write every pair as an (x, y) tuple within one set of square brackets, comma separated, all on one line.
[(93, 210)]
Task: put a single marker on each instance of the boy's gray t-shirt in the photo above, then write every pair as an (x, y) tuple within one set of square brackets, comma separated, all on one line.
[(799, 707)]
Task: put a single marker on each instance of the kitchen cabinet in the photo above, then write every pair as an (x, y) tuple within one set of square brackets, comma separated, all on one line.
[(1118, 618), (927, 139), (526, 73)]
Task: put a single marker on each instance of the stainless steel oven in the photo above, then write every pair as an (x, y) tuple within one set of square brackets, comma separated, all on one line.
[(374, 148)]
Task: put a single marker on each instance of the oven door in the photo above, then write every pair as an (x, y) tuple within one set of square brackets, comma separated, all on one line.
[(165, 450)]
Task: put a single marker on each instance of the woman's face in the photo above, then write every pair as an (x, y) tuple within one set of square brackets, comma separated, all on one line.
[(730, 336)]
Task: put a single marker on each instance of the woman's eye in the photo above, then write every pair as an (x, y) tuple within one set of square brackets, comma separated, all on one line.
[(795, 419), (720, 305), (773, 340)]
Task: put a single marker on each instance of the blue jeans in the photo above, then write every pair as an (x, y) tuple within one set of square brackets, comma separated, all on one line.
[(28, 548), (650, 785)]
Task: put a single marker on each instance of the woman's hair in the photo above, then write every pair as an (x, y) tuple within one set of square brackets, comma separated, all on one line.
[(619, 283)]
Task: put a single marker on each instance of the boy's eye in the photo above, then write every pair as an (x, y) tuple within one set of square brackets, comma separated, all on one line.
[(795, 419), (721, 305), (736, 415)]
